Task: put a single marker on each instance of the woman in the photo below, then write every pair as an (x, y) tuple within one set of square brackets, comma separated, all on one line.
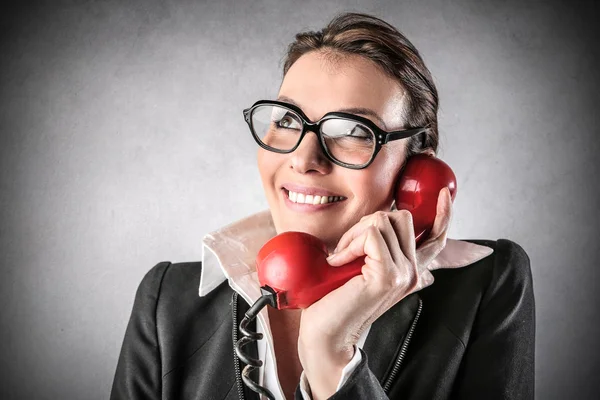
[(400, 330)]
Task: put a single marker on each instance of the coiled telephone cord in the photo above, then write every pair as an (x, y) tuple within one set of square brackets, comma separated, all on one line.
[(249, 337)]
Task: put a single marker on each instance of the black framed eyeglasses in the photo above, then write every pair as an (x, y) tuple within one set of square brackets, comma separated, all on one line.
[(347, 140)]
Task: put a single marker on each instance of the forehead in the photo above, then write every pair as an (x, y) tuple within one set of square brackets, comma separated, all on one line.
[(320, 82)]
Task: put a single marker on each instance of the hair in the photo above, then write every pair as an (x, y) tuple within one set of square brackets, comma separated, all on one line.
[(380, 42)]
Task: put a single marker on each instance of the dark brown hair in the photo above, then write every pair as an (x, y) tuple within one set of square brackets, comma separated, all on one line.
[(370, 37)]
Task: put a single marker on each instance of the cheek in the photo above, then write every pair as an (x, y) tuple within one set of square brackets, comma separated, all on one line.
[(374, 187), (268, 165), (265, 164)]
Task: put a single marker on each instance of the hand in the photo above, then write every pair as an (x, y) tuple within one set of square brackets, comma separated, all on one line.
[(393, 269)]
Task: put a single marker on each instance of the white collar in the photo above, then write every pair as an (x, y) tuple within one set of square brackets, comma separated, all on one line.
[(230, 252)]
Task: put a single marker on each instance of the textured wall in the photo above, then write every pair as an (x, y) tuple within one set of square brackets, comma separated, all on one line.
[(123, 143)]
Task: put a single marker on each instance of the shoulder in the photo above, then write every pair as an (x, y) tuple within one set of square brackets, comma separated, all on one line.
[(492, 292), (506, 252), (167, 278), (177, 284), (169, 293), (169, 314), (500, 279), (508, 262), (507, 269)]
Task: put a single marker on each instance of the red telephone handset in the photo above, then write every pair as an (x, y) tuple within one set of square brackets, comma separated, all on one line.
[(293, 265), (292, 268)]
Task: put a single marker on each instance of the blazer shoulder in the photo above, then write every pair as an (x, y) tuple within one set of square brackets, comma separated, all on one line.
[(506, 270), (167, 275), (177, 291), (512, 254), (179, 287), (510, 269), (506, 253), (182, 276), (501, 245), (182, 313)]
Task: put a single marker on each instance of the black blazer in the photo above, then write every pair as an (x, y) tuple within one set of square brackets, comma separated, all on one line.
[(470, 335)]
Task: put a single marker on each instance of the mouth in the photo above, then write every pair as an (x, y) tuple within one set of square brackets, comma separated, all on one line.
[(302, 198), (309, 199)]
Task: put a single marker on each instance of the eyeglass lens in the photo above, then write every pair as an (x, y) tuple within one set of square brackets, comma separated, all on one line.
[(346, 140)]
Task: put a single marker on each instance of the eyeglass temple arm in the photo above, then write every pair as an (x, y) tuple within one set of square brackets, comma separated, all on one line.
[(403, 134)]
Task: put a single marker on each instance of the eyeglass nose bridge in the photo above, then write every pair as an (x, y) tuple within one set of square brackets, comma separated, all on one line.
[(312, 126), (315, 128)]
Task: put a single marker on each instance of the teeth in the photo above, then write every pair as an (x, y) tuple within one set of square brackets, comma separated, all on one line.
[(311, 199)]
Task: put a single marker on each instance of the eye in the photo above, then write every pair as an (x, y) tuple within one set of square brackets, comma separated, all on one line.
[(345, 129), (359, 132), (288, 121)]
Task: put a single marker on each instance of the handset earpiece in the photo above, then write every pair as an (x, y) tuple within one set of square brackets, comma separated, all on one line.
[(417, 190)]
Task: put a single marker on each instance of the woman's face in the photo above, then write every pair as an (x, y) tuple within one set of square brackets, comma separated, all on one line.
[(319, 83)]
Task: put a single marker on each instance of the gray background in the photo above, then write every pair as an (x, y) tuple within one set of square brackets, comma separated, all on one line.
[(123, 143)]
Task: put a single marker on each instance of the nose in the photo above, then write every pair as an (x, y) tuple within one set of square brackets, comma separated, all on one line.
[(309, 156)]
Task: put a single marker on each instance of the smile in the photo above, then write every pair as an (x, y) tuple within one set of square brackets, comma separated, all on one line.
[(301, 198)]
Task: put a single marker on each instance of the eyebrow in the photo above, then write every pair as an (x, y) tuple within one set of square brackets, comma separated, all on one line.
[(350, 110)]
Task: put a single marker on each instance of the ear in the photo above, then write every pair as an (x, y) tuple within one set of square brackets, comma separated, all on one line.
[(428, 151)]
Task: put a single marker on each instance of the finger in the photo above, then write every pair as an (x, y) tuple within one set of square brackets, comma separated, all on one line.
[(439, 232), (381, 221), (352, 233), (403, 224), (355, 231), (386, 223), (425, 279), (443, 213), (370, 243), (392, 234)]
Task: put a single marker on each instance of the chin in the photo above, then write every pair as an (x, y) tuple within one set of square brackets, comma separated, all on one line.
[(324, 233), (329, 230)]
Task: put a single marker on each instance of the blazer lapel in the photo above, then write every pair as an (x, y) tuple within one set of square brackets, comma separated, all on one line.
[(387, 335)]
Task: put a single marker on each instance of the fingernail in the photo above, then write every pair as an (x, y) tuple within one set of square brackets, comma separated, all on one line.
[(331, 256), (428, 279)]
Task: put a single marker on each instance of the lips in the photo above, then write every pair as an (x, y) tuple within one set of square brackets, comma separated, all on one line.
[(300, 198), (308, 190)]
